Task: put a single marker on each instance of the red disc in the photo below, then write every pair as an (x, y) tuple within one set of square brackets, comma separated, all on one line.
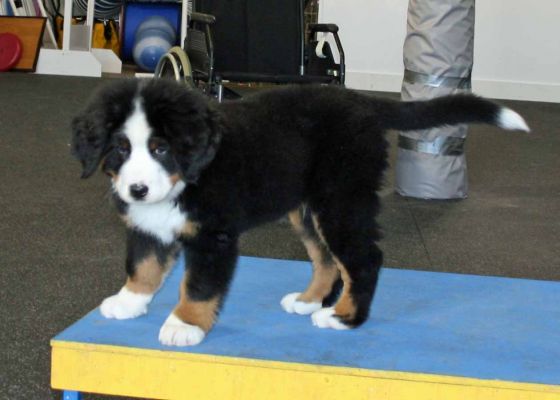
[(10, 51)]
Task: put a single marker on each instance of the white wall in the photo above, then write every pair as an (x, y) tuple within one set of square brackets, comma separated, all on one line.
[(517, 45)]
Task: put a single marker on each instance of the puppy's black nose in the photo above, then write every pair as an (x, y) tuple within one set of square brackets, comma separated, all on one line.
[(138, 191)]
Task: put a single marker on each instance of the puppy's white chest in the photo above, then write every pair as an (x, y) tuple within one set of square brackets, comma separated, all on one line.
[(163, 220)]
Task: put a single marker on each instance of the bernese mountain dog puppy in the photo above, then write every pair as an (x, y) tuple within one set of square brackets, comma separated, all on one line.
[(190, 173)]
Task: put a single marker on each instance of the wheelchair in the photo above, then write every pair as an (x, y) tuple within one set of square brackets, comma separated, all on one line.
[(252, 41)]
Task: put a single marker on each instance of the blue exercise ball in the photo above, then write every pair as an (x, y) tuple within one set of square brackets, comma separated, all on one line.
[(154, 37)]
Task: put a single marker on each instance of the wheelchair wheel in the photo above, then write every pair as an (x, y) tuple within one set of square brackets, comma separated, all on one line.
[(175, 64)]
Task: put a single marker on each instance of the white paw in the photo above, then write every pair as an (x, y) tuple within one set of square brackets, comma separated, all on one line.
[(291, 305), (175, 332), (125, 304), (324, 318)]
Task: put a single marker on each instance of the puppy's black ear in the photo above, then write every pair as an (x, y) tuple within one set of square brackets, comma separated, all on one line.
[(89, 141), (92, 129), (203, 149)]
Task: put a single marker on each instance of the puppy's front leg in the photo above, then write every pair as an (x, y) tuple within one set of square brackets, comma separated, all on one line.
[(147, 263), (208, 274)]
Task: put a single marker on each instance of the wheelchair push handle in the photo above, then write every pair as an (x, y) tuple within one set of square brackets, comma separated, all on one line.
[(332, 28), (203, 18)]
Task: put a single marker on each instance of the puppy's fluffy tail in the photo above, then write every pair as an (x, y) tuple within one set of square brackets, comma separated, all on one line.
[(452, 110)]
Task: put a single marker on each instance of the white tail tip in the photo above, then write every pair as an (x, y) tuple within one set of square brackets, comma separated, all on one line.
[(509, 119)]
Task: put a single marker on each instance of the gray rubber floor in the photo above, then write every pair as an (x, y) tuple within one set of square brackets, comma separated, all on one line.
[(62, 247)]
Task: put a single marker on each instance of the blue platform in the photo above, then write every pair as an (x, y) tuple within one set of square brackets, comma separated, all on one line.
[(421, 322)]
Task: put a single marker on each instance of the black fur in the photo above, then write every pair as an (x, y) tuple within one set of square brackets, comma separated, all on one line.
[(251, 161)]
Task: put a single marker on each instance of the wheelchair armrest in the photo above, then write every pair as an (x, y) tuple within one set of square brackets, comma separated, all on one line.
[(203, 18), (332, 28)]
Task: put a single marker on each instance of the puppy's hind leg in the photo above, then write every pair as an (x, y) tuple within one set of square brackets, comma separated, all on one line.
[(350, 236), (147, 263), (323, 286)]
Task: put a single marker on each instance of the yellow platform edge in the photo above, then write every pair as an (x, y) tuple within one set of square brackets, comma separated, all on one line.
[(175, 375)]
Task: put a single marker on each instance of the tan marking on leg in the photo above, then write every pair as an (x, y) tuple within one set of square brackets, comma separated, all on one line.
[(325, 272), (296, 219), (200, 313), (345, 306), (320, 286), (148, 274)]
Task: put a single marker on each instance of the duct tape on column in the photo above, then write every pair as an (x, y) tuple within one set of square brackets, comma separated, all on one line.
[(442, 145), (437, 81)]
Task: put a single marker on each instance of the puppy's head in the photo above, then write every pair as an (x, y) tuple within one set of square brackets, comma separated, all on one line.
[(152, 137)]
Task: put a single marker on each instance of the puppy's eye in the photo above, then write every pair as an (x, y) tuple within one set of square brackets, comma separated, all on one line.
[(123, 149), (161, 150), (159, 147)]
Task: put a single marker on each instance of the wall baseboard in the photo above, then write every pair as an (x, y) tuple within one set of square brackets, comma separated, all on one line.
[(509, 90)]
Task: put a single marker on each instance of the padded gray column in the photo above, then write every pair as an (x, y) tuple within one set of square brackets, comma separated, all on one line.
[(438, 58)]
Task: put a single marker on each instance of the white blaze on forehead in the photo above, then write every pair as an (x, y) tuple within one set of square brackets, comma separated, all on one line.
[(136, 128), (141, 168)]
